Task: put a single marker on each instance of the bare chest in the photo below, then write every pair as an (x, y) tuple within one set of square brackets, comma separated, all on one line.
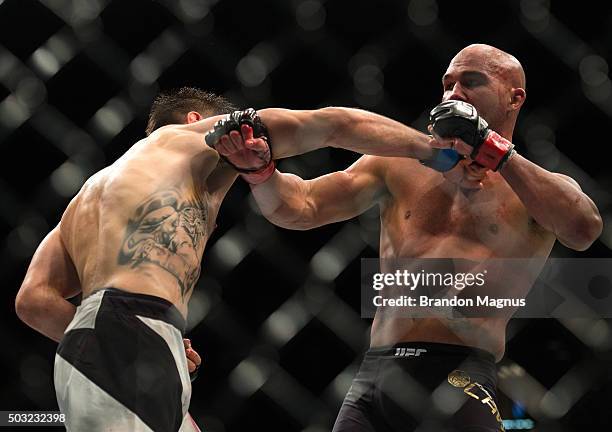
[(435, 218)]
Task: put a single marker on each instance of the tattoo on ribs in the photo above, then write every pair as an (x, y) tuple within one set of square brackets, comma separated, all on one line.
[(167, 231)]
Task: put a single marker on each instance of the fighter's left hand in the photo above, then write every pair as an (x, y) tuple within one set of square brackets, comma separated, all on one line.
[(193, 358), (452, 142)]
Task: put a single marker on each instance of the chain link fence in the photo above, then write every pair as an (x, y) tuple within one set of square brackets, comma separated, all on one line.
[(276, 312)]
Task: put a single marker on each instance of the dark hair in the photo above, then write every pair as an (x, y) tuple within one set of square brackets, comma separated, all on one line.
[(172, 106)]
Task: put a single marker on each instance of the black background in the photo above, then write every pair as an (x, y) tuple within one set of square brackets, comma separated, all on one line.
[(314, 52)]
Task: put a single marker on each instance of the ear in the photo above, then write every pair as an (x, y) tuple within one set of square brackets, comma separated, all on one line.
[(193, 116), (517, 98)]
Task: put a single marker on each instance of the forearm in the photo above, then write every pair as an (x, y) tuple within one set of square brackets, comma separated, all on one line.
[(48, 313), (51, 279), (282, 200), (297, 132), (554, 202)]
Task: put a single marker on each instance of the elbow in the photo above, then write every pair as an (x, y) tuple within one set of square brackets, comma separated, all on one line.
[(307, 216), (298, 220), (584, 232), (294, 225), (25, 306), (291, 224), (31, 305)]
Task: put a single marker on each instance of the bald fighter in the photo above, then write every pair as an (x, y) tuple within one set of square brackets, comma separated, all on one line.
[(493, 204), (131, 241)]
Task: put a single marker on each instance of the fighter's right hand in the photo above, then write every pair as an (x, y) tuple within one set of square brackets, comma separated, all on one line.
[(193, 359), (458, 124), (242, 140)]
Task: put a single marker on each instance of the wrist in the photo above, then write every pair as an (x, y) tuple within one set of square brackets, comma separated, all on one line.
[(494, 151), (260, 176), (193, 375), (512, 157), (442, 160), (424, 148)]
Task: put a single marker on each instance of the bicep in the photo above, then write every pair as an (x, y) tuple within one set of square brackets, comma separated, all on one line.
[(294, 132), (345, 194), (51, 269)]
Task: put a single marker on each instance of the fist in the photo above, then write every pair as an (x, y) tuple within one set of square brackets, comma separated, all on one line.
[(456, 119), (243, 150), (242, 140), (454, 143), (456, 124), (193, 358)]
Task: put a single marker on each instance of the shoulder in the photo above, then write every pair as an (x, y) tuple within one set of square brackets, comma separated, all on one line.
[(177, 140), (92, 187), (170, 133), (400, 170), (391, 169), (376, 165)]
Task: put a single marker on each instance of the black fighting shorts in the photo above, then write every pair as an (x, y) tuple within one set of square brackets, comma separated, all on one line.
[(425, 387), (121, 366)]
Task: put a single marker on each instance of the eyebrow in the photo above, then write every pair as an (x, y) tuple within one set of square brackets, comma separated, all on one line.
[(468, 74)]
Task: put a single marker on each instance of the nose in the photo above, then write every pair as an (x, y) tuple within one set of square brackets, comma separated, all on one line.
[(455, 94)]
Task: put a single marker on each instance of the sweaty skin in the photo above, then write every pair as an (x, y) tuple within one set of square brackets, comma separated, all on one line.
[(423, 215), (468, 213), (142, 223)]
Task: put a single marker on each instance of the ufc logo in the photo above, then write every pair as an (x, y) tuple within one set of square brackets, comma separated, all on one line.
[(409, 352)]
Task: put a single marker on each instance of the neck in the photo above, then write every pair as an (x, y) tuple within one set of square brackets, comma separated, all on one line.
[(506, 130), (506, 133)]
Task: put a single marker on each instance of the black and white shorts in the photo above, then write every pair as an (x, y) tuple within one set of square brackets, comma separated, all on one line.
[(121, 366)]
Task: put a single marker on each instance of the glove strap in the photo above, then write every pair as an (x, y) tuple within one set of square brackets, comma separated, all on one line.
[(442, 160), (193, 375), (261, 175), (493, 152)]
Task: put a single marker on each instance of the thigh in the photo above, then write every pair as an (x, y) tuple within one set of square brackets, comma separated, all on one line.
[(479, 413), (121, 362), (353, 418), (87, 407), (357, 413)]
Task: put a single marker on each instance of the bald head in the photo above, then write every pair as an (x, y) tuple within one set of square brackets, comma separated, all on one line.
[(498, 63), (490, 79)]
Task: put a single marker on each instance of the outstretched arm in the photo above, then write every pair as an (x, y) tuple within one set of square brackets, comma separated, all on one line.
[(296, 132), (248, 140), (51, 279)]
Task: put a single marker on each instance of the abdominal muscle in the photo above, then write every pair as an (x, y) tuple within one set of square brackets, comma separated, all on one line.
[(485, 333)]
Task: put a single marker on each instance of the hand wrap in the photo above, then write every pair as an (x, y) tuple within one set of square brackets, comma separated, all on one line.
[(458, 119), (233, 122)]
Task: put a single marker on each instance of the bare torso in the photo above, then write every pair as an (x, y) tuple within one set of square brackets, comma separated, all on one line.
[(426, 216), (142, 223)]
